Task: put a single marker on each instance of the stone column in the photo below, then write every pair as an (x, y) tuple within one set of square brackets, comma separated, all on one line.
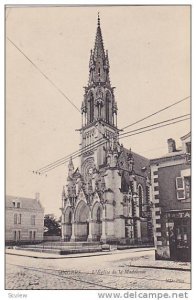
[(73, 238), (137, 211), (138, 222), (89, 239), (103, 236)]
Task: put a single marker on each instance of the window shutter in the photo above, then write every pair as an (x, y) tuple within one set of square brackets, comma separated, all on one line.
[(180, 194), (179, 183), (180, 188)]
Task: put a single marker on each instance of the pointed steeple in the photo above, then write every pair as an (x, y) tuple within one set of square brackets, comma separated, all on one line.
[(99, 47), (99, 103), (99, 62)]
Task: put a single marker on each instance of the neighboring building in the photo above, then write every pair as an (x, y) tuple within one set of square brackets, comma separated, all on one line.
[(108, 198), (171, 191), (24, 220)]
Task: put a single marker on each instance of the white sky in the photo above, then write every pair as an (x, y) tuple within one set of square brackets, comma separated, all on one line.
[(149, 51)]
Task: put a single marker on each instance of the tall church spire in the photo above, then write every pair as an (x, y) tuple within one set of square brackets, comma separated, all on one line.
[(99, 102), (99, 63), (99, 47)]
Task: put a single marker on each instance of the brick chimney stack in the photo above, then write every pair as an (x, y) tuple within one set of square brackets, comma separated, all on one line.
[(171, 145)]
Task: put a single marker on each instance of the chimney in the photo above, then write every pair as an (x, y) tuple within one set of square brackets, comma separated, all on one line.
[(171, 145), (37, 196)]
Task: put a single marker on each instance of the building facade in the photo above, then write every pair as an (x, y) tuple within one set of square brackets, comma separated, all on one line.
[(107, 198), (171, 193), (24, 220)]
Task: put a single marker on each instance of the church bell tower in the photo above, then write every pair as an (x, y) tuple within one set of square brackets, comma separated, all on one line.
[(99, 109)]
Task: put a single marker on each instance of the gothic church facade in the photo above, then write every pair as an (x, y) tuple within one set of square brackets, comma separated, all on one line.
[(107, 198)]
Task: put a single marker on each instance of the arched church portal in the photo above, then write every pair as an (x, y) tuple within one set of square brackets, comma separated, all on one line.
[(81, 221), (97, 215)]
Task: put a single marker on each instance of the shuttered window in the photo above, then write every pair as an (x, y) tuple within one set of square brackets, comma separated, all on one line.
[(180, 188)]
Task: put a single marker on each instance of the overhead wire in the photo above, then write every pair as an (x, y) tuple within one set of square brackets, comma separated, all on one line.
[(160, 110), (124, 133), (133, 132), (48, 79), (98, 142), (43, 74)]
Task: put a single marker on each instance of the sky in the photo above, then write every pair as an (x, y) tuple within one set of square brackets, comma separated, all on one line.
[(149, 54)]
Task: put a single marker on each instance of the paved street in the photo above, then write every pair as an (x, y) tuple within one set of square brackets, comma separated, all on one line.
[(128, 269)]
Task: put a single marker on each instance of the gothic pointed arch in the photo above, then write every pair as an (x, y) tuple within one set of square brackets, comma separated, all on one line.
[(68, 215), (97, 212), (97, 217), (81, 212)]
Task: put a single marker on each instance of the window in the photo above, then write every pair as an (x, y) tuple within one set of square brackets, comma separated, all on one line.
[(91, 108), (98, 214), (15, 218), (15, 236), (180, 188), (187, 182), (34, 235), (30, 235), (19, 218), (19, 235), (13, 204), (70, 217), (18, 204), (141, 196), (33, 220), (107, 107)]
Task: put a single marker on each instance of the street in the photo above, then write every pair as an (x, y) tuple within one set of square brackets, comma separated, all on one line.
[(128, 269)]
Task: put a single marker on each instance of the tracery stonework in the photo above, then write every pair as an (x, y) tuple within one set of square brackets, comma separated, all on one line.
[(108, 197)]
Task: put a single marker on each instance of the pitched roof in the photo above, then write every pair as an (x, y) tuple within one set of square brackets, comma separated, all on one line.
[(26, 203), (140, 163)]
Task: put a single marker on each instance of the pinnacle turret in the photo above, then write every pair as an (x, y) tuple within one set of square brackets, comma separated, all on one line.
[(70, 168)]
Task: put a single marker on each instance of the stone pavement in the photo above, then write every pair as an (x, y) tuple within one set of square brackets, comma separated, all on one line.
[(159, 264), (117, 270)]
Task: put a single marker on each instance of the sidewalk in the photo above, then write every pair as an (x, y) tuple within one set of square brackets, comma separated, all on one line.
[(161, 264), (57, 256), (51, 256), (135, 262)]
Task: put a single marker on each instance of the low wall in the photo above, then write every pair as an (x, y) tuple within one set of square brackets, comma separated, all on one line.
[(49, 238)]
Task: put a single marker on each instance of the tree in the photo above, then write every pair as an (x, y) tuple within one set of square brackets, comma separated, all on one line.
[(51, 225)]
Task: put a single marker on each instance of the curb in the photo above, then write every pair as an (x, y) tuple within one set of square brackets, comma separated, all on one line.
[(60, 256), (160, 268)]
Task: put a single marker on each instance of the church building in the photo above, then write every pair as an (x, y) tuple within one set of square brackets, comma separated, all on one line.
[(108, 197)]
